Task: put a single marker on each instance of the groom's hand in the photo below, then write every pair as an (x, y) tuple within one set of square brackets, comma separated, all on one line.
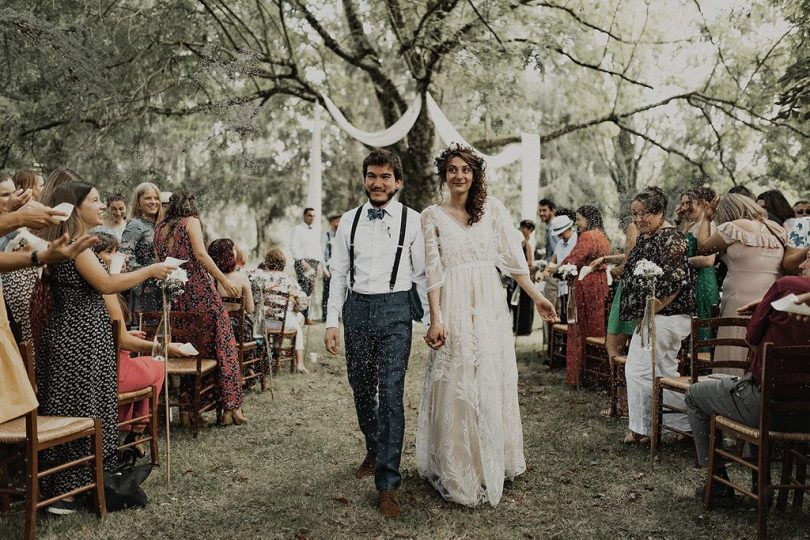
[(332, 340)]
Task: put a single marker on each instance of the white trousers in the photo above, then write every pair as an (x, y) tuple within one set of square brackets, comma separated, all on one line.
[(670, 331)]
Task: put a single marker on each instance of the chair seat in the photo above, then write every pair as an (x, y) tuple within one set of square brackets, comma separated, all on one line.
[(188, 366), (143, 392), (560, 327), (49, 428), (676, 383), (247, 345), (620, 360), (753, 432), (704, 357), (277, 332), (595, 341)]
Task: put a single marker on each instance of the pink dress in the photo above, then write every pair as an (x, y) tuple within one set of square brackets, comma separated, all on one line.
[(754, 261), (134, 374)]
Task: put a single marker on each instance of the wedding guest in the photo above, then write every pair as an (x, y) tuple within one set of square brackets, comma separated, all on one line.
[(224, 254), (589, 292), (469, 439), (664, 246), (801, 208), (138, 245), (180, 235), (29, 179), (73, 340), (523, 318), (777, 206), (328, 240), (55, 179), (752, 248), (274, 282), (798, 228), (707, 294), (305, 248), (562, 227), (546, 209), (116, 219), (742, 190), (739, 399)]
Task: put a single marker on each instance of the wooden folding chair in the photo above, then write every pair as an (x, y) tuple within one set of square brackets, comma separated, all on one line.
[(125, 398), (281, 338), (596, 368), (618, 385), (557, 344), (784, 418), (29, 435), (701, 364), (203, 397), (251, 357)]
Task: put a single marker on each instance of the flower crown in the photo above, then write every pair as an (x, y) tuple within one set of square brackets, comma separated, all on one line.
[(454, 147)]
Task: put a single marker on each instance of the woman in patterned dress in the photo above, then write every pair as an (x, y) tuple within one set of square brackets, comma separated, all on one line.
[(73, 339), (470, 438), (180, 235), (137, 243)]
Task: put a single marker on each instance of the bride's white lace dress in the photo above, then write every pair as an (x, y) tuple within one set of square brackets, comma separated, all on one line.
[(469, 436)]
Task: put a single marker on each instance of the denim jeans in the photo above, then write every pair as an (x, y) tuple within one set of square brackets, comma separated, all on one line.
[(378, 332)]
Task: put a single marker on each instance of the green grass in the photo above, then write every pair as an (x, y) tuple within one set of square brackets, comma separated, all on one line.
[(289, 473)]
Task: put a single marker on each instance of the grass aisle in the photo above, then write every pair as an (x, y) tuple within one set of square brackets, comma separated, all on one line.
[(288, 473)]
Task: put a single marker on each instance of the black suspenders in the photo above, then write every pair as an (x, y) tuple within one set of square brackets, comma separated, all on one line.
[(402, 226)]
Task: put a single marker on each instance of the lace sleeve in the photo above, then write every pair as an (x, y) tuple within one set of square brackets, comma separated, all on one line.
[(512, 259), (434, 269)]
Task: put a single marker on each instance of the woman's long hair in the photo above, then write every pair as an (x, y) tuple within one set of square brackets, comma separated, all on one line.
[(274, 260), (221, 251), (181, 205), (734, 206), (56, 179), (135, 208), (593, 216), (477, 195), (777, 205), (75, 193)]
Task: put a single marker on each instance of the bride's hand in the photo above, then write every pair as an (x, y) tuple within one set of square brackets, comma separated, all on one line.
[(546, 309), (436, 336)]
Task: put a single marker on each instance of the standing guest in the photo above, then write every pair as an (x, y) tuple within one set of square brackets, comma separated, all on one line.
[(776, 205), (707, 294), (28, 179), (180, 235), (547, 211), (523, 319), (798, 228), (739, 399), (327, 245), (305, 248), (55, 179), (563, 228), (377, 316), (74, 344), (138, 245), (752, 248), (116, 220), (276, 283), (665, 246), (590, 292), (469, 439)]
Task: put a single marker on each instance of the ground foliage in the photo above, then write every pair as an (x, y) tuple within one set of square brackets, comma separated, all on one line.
[(289, 474)]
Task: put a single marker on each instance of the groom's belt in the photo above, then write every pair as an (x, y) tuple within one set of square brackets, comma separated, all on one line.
[(399, 297)]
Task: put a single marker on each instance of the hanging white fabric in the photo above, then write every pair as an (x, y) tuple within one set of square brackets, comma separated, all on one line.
[(386, 137), (530, 175), (315, 168)]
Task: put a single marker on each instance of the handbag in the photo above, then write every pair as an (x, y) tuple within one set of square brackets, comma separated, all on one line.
[(122, 488), (17, 396)]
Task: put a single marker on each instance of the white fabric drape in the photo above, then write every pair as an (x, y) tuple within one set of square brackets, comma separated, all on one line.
[(386, 137)]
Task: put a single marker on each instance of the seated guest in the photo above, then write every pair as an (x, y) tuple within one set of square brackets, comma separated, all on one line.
[(271, 278), (73, 339), (224, 254), (739, 399), (665, 246)]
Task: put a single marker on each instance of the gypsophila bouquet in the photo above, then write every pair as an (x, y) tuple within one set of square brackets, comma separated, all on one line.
[(568, 271), (647, 269), (174, 284)]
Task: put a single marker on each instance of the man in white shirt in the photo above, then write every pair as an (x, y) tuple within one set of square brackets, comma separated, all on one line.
[(562, 227), (376, 307), (305, 248), (327, 240)]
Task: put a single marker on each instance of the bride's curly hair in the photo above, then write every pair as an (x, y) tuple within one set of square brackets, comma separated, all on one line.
[(478, 190)]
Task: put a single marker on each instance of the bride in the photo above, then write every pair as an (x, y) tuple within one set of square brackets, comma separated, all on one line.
[(469, 437)]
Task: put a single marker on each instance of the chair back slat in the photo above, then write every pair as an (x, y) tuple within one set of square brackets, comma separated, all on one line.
[(698, 344), (785, 388)]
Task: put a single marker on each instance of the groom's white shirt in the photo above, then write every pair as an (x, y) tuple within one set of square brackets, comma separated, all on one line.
[(375, 246)]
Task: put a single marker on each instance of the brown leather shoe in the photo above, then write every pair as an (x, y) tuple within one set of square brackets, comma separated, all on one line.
[(367, 467), (389, 503)]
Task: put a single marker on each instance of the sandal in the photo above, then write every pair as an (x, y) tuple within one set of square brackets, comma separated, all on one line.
[(635, 438)]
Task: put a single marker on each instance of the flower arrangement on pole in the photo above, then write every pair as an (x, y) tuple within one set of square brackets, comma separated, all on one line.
[(569, 273)]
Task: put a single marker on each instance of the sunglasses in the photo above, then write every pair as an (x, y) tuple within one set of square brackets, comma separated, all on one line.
[(803, 212)]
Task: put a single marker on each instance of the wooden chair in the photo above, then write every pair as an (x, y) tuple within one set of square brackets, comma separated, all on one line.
[(125, 398), (201, 370), (618, 386), (280, 339), (595, 362), (251, 357), (557, 346), (701, 363), (784, 418), (36, 433)]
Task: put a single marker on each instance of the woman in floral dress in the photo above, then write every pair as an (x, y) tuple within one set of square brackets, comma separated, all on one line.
[(180, 235), (137, 243)]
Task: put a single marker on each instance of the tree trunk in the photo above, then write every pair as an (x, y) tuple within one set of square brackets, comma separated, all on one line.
[(420, 187)]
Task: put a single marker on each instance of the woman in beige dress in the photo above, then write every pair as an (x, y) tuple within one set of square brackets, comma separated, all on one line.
[(752, 247)]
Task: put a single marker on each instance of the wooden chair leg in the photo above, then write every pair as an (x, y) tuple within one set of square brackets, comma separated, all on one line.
[(801, 475), (98, 448), (715, 439), (32, 487), (787, 476), (5, 498), (195, 407), (154, 426), (657, 415), (763, 488)]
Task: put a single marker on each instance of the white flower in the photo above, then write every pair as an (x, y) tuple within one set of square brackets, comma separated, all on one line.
[(178, 276), (568, 270), (647, 269)]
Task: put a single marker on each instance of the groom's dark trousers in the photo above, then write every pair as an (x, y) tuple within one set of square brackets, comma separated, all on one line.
[(378, 330)]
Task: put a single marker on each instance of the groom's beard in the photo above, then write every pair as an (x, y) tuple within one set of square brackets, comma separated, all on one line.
[(376, 204)]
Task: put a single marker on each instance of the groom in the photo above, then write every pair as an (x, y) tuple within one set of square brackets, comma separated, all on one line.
[(374, 300)]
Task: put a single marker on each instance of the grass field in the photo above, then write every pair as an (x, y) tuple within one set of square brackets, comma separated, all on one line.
[(288, 473)]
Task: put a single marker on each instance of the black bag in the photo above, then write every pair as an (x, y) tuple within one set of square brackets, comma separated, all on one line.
[(122, 488)]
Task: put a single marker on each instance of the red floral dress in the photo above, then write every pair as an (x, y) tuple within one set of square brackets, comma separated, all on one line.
[(215, 337), (590, 299)]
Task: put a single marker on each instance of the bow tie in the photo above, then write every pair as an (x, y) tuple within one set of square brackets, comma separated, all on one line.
[(375, 213)]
